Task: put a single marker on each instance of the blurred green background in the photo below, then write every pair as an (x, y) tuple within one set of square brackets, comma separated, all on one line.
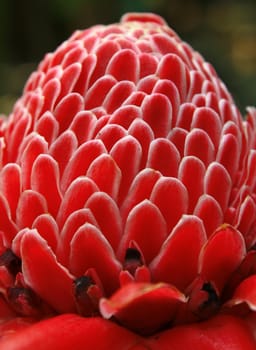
[(224, 32)]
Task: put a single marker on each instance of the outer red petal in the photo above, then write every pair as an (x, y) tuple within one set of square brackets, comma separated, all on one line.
[(177, 261), (70, 331), (245, 293), (87, 245), (146, 226), (51, 281), (221, 256), (219, 333), (143, 307)]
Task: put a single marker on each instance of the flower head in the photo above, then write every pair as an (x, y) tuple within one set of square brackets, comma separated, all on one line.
[(127, 192)]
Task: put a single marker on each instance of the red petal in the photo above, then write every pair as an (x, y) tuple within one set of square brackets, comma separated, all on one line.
[(62, 52), (34, 101), (6, 313), (7, 226), (251, 180), (48, 127), (63, 148), (122, 151), (199, 144), (199, 100), (171, 67), (125, 115), (45, 180), (143, 307), (107, 215), (218, 184), (69, 79), (245, 293), (104, 51), (73, 55), (31, 205), (74, 221), (191, 174), (51, 90), (18, 133), (81, 160), (209, 210), (75, 197), (90, 249), (83, 126), (105, 174), (147, 84), (36, 145), (164, 157), (221, 256), (171, 197), (185, 115), (246, 216), (110, 134), (206, 119), (136, 98), (178, 136), (140, 189), (44, 274), (169, 89), (157, 112), (148, 64), (228, 154), (145, 226), (124, 65), (219, 333), (50, 73), (117, 95), (177, 262), (98, 91), (67, 108), (10, 185), (48, 229), (196, 82), (143, 133), (143, 17), (88, 66), (71, 331)]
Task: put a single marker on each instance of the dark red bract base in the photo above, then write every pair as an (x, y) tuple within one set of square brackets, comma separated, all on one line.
[(70, 331)]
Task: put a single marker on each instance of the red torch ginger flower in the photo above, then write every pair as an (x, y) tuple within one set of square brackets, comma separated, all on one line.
[(127, 199)]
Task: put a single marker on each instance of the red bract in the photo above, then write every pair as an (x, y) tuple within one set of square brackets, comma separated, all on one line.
[(127, 199)]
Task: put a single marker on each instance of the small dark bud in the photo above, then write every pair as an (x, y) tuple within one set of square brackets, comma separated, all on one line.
[(11, 262)]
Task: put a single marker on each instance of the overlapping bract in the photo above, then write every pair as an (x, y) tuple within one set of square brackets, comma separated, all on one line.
[(127, 184)]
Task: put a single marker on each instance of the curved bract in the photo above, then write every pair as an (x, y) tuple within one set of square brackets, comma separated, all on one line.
[(127, 199)]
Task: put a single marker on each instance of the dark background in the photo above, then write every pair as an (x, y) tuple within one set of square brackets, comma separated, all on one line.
[(223, 31)]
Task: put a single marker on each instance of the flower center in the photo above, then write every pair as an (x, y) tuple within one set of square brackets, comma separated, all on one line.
[(132, 260)]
